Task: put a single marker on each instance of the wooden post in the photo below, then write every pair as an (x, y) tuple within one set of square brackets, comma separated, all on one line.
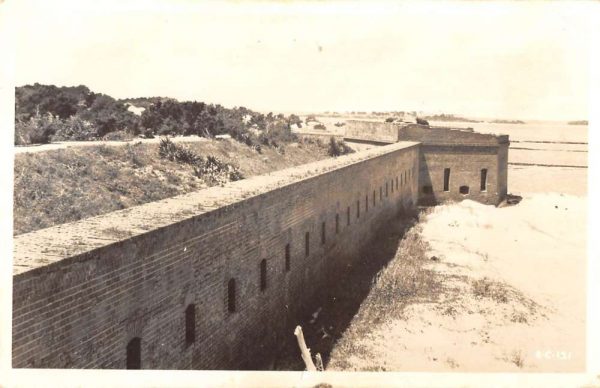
[(319, 362), (305, 352)]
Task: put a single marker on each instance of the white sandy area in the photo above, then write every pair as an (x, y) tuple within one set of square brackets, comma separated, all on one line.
[(536, 179), (536, 250)]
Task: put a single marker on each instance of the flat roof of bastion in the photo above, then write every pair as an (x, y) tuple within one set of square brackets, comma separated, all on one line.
[(47, 246)]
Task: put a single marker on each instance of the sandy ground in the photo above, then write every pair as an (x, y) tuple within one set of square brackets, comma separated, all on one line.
[(533, 254)]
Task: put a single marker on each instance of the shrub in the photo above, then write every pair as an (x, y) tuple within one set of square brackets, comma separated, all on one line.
[(21, 133), (320, 126), (177, 153), (277, 133), (212, 170), (147, 134), (485, 288), (39, 129), (76, 129), (389, 120), (337, 148)]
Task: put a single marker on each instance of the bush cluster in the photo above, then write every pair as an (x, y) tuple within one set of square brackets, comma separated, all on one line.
[(212, 170), (338, 147)]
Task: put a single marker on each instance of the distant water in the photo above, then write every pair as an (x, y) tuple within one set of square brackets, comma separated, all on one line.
[(531, 131), (543, 144)]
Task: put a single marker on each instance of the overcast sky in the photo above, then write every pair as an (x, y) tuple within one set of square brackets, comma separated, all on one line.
[(504, 60)]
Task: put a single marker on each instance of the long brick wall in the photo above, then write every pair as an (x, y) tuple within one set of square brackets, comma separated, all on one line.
[(155, 279)]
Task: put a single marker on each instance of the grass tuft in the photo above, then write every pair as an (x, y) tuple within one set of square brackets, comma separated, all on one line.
[(485, 288)]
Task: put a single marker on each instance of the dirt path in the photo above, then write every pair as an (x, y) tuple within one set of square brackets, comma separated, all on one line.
[(68, 144)]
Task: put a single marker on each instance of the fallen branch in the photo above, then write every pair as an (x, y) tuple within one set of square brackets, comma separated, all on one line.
[(304, 351)]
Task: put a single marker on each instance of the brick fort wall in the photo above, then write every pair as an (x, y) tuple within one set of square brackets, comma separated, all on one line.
[(207, 280)]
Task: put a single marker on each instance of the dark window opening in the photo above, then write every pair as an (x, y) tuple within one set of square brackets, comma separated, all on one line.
[(134, 353), (263, 274), (190, 324), (380, 193), (386, 189), (348, 216), (357, 209), (337, 223), (323, 232), (373, 197), (367, 203), (484, 179), (307, 244), (427, 190), (392, 183), (287, 257), (231, 295), (405, 175), (446, 179), (464, 190)]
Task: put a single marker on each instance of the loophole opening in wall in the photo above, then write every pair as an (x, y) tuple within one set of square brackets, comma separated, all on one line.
[(483, 183), (263, 274), (231, 295), (306, 244), (464, 190), (134, 353), (190, 324)]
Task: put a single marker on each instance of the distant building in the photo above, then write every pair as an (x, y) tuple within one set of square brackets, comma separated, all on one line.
[(455, 163)]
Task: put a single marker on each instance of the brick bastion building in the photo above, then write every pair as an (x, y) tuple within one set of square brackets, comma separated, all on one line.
[(213, 279), (454, 163)]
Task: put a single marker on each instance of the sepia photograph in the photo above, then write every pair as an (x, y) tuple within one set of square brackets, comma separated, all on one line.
[(299, 193)]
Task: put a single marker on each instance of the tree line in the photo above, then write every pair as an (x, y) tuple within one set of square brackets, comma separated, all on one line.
[(46, 113)]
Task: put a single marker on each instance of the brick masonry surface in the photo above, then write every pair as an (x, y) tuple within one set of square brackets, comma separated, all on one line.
[(83, 291), (455, 163), (372, 131), (452, 159)]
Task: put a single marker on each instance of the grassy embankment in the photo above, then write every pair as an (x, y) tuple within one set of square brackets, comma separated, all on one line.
[(59, 186)]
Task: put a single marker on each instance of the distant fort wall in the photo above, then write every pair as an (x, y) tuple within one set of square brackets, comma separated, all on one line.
[(207, 280), (322, 136), (374, 132), (455, 164)]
